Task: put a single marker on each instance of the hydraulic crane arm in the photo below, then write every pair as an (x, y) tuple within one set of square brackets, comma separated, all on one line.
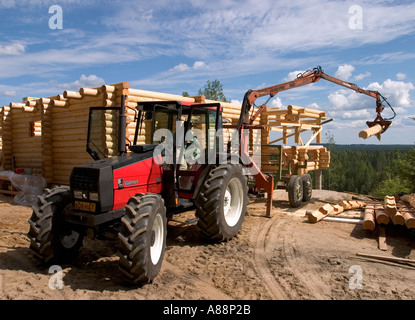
[(305, 78)]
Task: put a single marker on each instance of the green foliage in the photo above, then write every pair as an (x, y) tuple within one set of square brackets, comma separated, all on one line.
[(368, 170), (213, 90), (185, 94), (406, 169)]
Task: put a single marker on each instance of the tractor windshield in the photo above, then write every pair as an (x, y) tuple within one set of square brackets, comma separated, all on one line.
[(102, 139)]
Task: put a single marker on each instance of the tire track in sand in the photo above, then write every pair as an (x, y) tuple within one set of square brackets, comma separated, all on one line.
[(261, 263), (202, 286)]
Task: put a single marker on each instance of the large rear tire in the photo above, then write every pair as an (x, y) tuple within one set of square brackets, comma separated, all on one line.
[(295, 191), (142, 240), (51, 239), (222, 202), (307, 187)]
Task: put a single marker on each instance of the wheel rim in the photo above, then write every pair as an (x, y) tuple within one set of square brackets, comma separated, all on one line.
[(299, 190), (69, 241), (232, 203), (157, 236), (308, 189)]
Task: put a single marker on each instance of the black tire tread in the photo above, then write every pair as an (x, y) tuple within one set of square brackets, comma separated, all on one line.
[(207, 202), (133, 238)]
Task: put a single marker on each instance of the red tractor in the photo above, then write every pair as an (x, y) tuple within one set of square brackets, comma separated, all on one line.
[(131, 196)]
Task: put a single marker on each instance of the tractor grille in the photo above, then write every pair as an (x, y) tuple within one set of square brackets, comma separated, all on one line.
[(85, 179)]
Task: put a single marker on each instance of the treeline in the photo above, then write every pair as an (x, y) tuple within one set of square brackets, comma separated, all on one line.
[(371, 169)]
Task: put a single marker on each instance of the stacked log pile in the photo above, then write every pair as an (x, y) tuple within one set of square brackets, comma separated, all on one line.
[(292, 122), (394, 210)]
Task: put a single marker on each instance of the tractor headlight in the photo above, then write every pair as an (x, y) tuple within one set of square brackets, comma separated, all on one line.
[(77, 194), (93, 196)]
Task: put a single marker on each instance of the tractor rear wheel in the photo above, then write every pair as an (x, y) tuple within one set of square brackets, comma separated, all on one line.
[(295, 191), (51, 239), (222, 202), (142, 240), (307, 187)]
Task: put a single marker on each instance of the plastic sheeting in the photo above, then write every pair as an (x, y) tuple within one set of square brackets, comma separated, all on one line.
[(28, 187)]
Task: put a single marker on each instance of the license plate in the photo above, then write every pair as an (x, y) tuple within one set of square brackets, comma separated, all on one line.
[(85, 206)]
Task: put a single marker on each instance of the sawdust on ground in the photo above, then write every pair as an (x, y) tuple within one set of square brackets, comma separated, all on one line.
[(279, 258)]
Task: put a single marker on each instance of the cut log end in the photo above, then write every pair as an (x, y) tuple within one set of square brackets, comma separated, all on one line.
[(376, 130)]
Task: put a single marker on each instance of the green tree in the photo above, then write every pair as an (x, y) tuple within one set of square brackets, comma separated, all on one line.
[(185, 94), (213, 90)]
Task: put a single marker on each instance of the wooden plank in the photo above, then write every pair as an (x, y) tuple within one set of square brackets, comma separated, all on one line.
[(394, 259), (382, 238)]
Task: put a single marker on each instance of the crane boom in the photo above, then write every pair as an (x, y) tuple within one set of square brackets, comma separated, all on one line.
[(308, 77)]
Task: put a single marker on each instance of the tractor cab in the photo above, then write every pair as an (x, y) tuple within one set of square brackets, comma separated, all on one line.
[(184, 137)]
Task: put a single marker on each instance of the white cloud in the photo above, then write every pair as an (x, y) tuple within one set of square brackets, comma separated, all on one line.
[(276, 103), (199, 65), (236, 101), (350, 105), (314, 105), (180, 68), (361, 76), (400, 76), (397, 92), (293, 75), (344, 72), (91, 81), (13, 49), (9, 93)]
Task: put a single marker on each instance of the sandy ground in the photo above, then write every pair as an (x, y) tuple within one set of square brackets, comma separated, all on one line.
[(280, 258)]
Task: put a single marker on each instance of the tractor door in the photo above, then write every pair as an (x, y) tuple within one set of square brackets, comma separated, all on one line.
[(200, 147), (103, 135)]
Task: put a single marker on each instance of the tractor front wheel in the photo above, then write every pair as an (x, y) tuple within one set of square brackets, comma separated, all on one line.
[(142, 240), (51, 239)]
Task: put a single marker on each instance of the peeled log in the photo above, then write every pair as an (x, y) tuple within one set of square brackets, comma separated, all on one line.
[(369, 219), (381, 216), (409, 198), (369, 132), (410, 220), (321, 213), (353, 204), (390, 206), (399, 219)]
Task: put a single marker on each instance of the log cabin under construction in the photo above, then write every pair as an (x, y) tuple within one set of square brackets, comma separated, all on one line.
[(48, 135)]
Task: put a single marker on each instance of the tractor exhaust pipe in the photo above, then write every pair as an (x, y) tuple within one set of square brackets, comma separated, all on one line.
[(122, 127)]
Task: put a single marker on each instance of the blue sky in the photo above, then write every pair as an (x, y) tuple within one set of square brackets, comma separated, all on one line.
[(175, 46)]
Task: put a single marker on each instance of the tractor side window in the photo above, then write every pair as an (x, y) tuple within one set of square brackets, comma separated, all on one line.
[(164, 119)]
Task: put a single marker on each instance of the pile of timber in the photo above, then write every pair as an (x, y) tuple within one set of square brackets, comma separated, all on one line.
[(292, 122), (396, 210), (334, 209), (48, 135), (393, 210)]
